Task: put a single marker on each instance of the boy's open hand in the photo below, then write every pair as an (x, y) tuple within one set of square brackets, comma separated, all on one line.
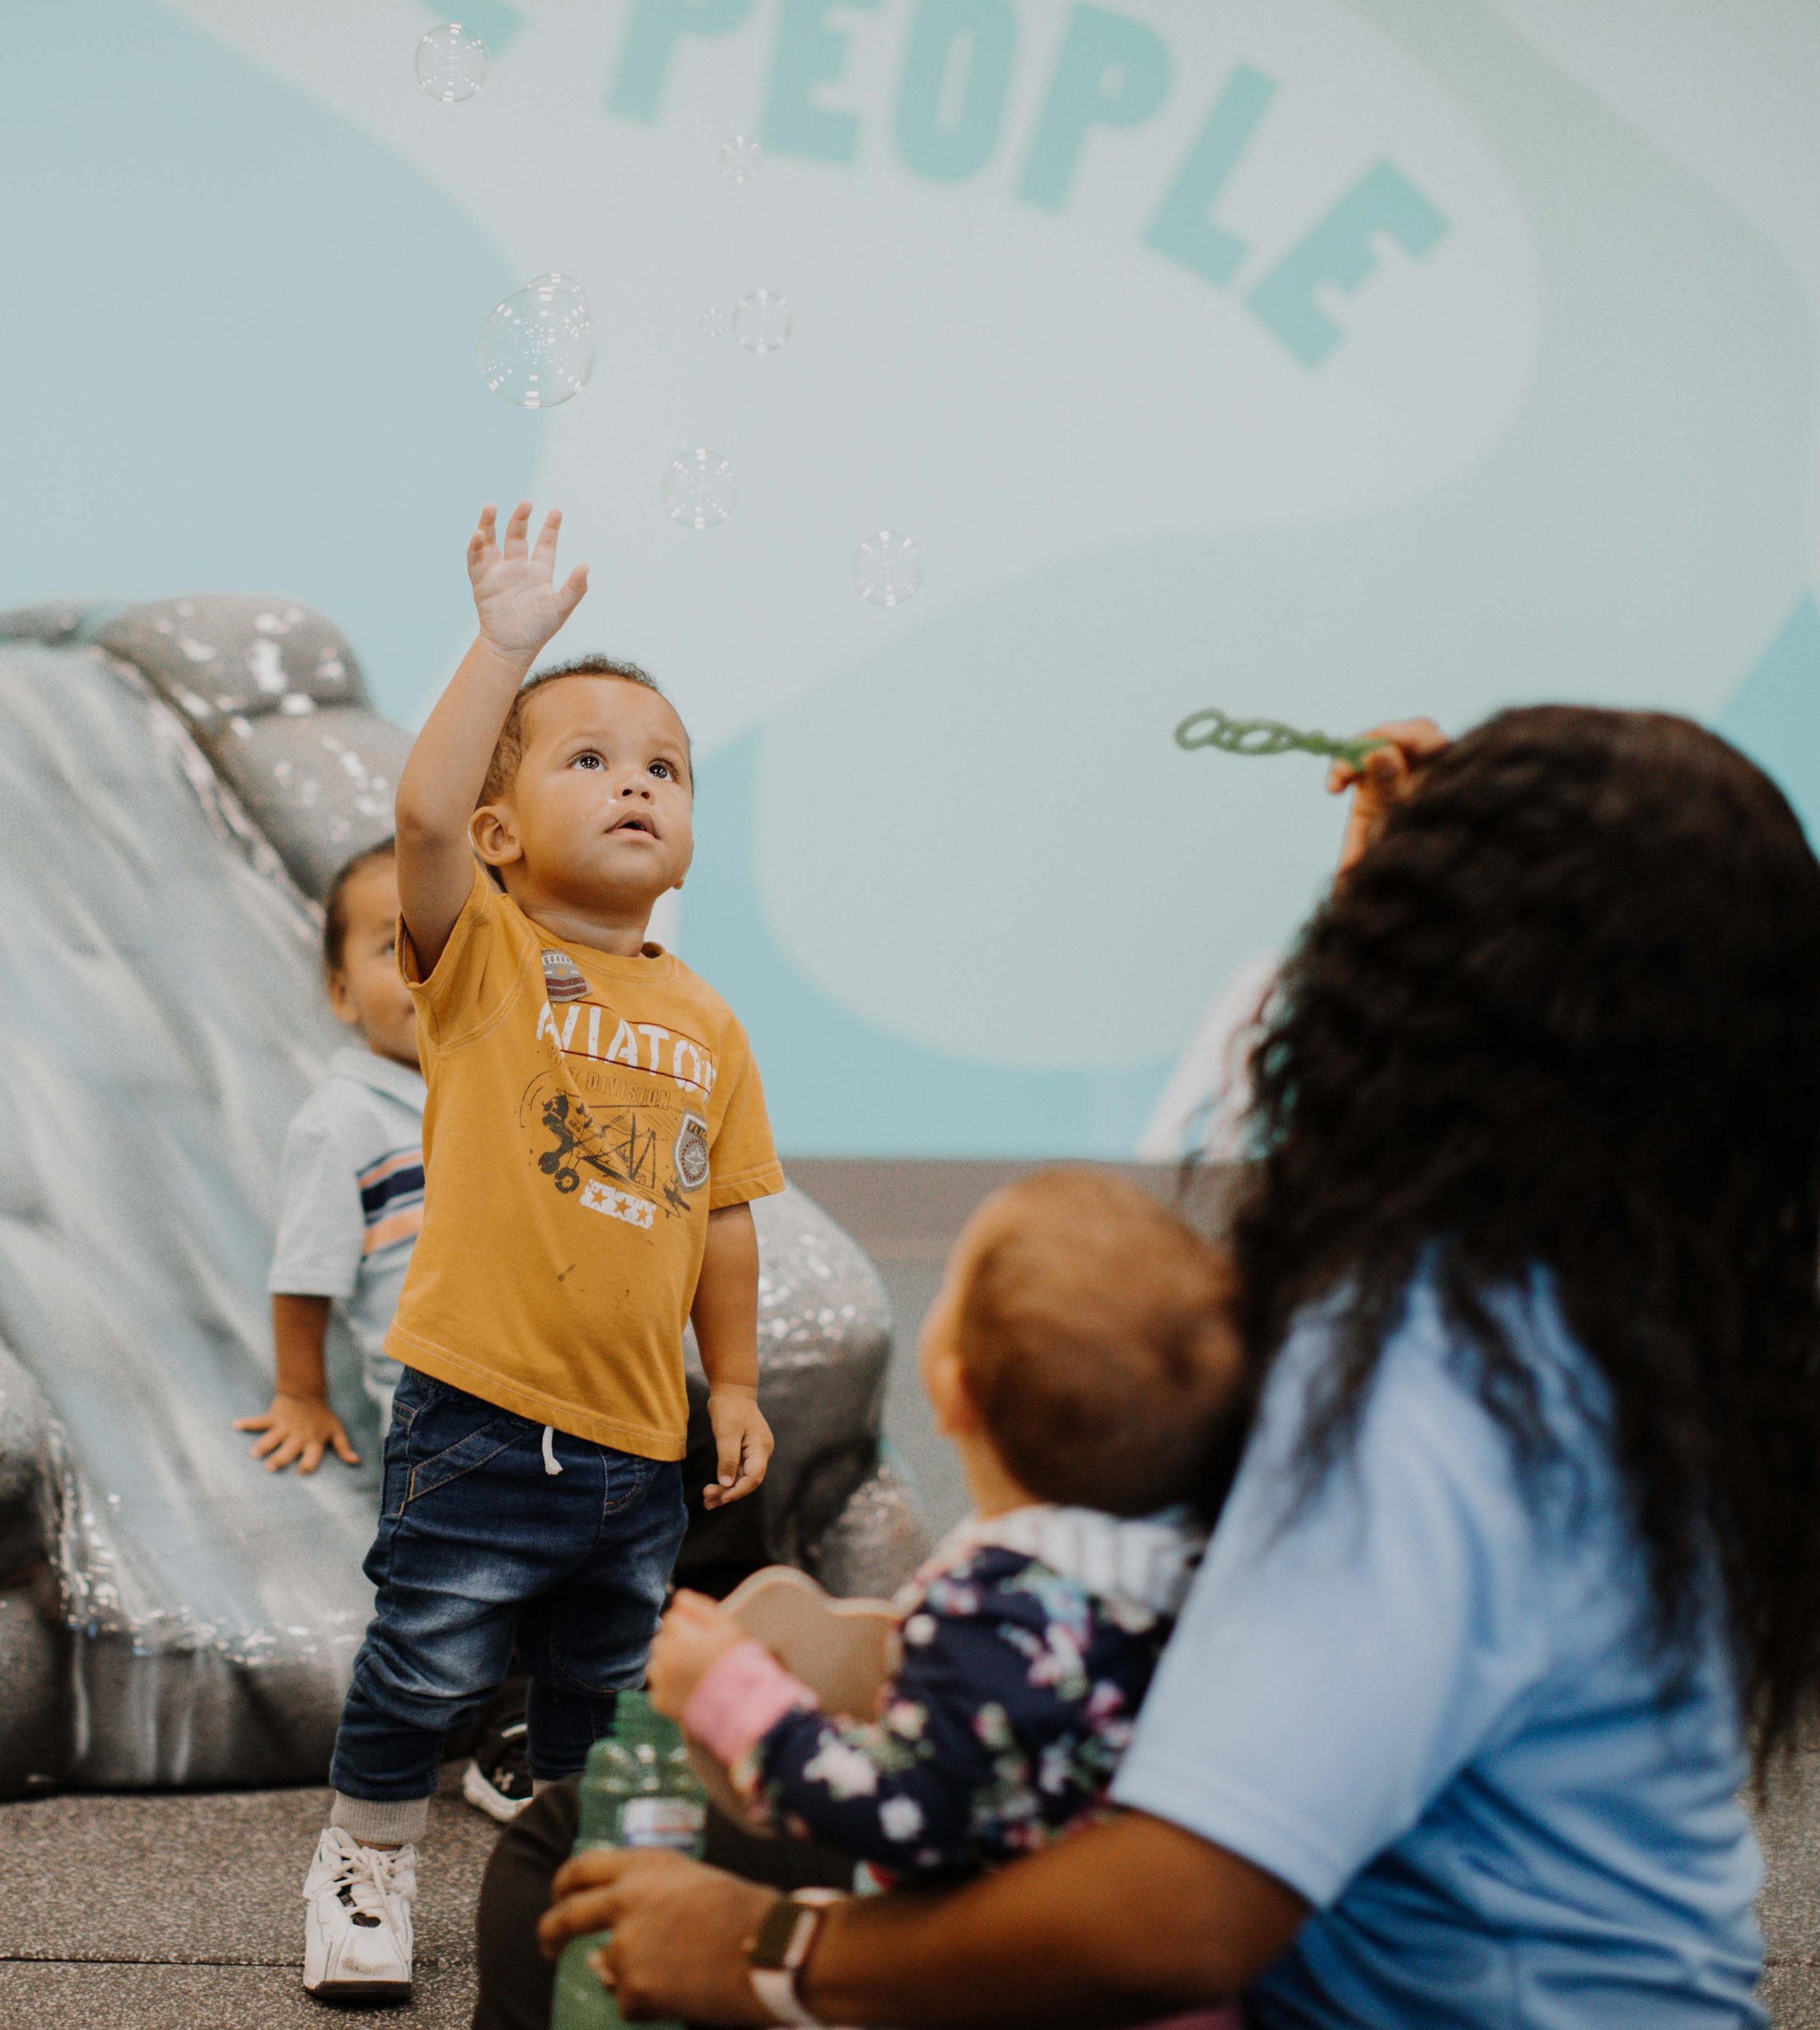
[(693, 1636), (298, 1429), (519, 604), (743, 1441)]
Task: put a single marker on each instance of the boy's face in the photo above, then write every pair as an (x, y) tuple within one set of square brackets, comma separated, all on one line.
[(365, 990), (599, 814)]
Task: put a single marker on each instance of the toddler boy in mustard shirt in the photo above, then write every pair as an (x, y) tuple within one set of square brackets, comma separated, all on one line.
[(594, 1133)]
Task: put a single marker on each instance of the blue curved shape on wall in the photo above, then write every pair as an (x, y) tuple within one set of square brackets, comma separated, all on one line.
[(1774, 716), (837, 1084)]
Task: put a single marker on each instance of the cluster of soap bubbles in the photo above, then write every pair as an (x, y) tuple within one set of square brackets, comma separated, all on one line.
[(537, 346)]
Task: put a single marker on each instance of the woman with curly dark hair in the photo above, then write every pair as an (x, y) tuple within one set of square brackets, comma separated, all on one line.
[(1523, 1558)]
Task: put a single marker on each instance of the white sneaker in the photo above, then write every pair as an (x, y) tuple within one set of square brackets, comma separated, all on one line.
[(357, 1920), (498, 1780)]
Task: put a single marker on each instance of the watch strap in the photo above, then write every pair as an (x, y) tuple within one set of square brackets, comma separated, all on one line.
[(780, 1949), (775, 1988)]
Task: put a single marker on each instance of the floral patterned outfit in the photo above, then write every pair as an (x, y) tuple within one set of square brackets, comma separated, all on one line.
[(1028, 1641)]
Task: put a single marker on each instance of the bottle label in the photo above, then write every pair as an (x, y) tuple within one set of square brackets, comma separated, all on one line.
[(677, 1822)]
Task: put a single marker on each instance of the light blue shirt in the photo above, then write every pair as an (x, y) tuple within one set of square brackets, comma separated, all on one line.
[(350, 1202), (1423, 1701)]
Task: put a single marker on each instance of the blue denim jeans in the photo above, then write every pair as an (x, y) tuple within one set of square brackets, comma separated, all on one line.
[(480, 1546)]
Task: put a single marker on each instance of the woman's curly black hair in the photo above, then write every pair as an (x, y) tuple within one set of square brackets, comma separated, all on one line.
[(1565, 1011)]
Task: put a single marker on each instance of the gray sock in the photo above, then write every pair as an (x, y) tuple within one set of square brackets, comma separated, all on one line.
[(380, 1825)]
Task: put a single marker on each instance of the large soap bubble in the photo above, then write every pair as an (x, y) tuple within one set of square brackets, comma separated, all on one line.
[(761, 322), (700, 490), (536, 348), (887, 568), (451, 62)]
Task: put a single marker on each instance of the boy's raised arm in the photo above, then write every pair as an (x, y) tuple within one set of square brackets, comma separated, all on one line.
[(520, 607)]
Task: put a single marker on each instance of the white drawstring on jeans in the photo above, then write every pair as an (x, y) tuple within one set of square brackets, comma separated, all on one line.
[(550, 1463)]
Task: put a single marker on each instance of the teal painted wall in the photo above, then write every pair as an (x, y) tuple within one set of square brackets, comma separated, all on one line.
[(226, 360), (1323, 357)]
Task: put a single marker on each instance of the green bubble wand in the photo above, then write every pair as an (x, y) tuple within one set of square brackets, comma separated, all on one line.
[(1212, 727)]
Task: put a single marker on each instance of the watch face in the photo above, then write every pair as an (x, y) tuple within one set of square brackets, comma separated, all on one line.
[(771, 1948)]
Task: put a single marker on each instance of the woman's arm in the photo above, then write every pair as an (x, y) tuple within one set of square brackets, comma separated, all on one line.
[(1125, 1921), (1134, 1917)]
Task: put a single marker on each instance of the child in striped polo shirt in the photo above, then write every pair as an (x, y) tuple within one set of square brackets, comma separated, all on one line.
[(351, 1186)]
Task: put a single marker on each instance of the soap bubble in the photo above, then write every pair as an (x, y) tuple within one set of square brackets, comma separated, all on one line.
[(451, 64), (536, 348), (762, 321), (562, 290), (700, 490), (739, 158), (887, 568)]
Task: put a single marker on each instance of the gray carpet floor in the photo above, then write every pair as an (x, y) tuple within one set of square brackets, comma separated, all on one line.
[(1790, 1907), (182, 1912)]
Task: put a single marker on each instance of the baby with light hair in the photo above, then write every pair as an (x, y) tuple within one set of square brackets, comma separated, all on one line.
[(1081, 1356)]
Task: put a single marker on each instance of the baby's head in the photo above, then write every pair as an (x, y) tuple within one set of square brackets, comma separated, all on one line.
[(587, 802), (1080, 1350), (359, 954)]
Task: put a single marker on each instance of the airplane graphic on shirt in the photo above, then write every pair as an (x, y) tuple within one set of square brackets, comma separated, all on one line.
[(621, 1127)]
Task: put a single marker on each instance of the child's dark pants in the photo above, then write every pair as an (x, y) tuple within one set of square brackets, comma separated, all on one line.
[(480, 1544)]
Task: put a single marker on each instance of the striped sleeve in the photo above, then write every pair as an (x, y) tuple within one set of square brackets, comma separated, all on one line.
[(322, 1224)]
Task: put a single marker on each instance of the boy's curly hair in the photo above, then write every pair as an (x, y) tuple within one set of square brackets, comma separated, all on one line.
[(1565, 1013), (508, 749)]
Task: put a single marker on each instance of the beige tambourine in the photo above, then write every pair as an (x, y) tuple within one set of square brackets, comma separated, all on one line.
[(845, 1651)]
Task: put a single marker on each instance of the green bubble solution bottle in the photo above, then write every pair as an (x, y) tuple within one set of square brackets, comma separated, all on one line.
[(638, 1790)]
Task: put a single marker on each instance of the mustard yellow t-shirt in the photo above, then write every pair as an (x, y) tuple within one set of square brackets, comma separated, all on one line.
[(585, 1114)]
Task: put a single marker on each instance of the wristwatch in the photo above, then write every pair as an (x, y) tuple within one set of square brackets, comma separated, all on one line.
[(783, 1941)]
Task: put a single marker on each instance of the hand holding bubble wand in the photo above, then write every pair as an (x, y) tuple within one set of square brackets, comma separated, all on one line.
[(1381, 765), (1212, 727)]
